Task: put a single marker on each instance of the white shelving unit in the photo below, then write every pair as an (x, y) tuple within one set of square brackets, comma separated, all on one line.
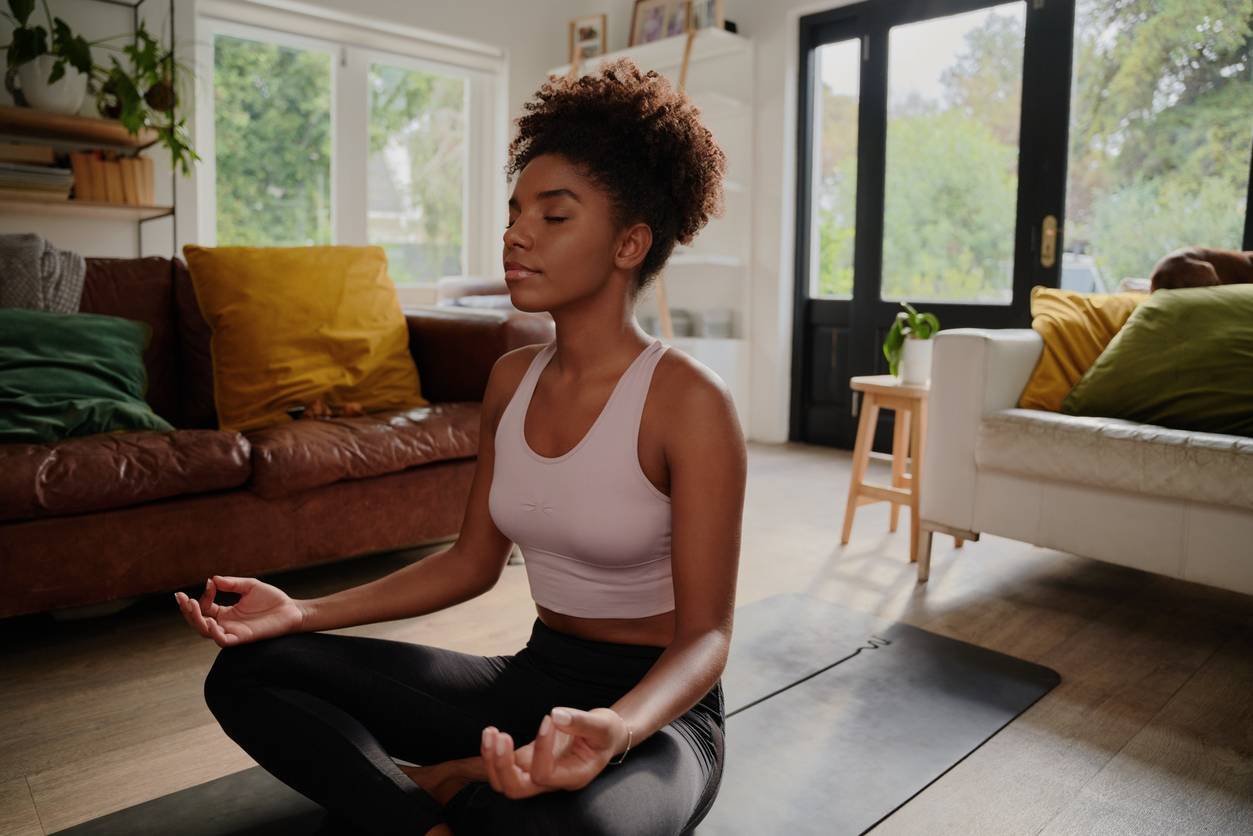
[(713, 273)]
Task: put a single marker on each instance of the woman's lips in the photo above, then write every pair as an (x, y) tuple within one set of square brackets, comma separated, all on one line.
[(520, 274)]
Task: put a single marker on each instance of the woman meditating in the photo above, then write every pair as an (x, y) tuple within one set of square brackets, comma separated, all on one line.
[(615, 463)]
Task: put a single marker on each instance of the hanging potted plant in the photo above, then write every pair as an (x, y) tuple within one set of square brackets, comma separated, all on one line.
[(144, 96), (53, 74), (907, 346)]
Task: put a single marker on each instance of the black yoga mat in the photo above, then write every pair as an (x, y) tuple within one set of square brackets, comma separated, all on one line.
[(248, 803), (835, 719)]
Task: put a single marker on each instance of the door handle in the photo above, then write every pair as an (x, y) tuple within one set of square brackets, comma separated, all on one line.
[(1048, 241)]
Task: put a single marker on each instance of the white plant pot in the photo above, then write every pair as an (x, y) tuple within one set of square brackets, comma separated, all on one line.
[(915, 365), (66, 96)]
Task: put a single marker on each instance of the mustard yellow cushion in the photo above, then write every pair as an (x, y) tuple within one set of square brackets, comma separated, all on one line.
[(292, 324), (1075, 327)]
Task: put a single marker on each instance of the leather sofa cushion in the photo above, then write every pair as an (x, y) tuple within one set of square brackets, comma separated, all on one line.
[(1122, 455), (304, 454), (115, 470), (196, 361), (141, 289), (455, 347)]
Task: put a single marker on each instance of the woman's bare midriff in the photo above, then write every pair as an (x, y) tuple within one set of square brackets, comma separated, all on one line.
[(655, 630)]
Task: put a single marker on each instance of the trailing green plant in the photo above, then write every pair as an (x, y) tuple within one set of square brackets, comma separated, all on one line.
[(141, 96), (145, 95), (909, 324), (29, 42)]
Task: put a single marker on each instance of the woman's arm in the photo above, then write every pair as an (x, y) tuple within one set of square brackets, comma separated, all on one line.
[(707, 459), (468, 568), (435, 582)]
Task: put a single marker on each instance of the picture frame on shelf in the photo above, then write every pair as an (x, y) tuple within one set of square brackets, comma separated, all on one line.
[(587, 37), (707, 13), (652, 20)]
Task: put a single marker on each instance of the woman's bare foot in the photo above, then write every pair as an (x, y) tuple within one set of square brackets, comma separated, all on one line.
[(436, 779)]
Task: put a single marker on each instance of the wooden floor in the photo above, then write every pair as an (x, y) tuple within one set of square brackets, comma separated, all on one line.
[(1150, 731)]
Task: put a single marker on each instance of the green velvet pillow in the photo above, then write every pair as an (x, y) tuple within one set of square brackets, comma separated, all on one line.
[(72, 374), (1184, 359)]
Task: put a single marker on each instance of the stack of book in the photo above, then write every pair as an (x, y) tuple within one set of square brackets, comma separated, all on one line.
[(35, 182), (24, 152), (106, 177)]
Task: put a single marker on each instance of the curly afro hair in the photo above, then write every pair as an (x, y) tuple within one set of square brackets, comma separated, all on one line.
[(639, 140)]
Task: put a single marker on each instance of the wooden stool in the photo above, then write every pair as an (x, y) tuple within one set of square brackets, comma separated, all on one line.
[(884, 391)]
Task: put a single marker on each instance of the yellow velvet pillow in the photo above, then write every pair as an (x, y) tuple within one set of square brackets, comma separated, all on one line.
[(292, 324), (1076, 327)]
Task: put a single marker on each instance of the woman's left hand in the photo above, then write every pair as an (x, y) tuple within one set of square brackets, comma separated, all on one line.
[(563, 755)]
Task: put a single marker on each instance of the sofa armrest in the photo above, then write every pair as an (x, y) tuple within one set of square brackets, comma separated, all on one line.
[(451, 288), (974, 371), (455, 348)]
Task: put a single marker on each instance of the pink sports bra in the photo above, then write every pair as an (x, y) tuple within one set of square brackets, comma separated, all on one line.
[(593, 530)]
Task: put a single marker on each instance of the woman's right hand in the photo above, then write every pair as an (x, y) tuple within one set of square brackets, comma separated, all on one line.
[(263, 611)]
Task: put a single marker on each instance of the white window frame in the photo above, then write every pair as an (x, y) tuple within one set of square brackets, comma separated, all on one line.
[(206, 139), (354, 43)]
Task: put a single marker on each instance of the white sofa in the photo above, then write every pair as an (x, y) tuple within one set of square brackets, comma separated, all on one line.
[(1168, 501)]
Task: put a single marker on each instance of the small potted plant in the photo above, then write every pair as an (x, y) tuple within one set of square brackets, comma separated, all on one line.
[(54, 75), (907, 346)]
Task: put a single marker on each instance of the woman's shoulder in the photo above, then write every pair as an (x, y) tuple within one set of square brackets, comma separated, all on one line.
[(506, 376), (694, 414), (690, 390)]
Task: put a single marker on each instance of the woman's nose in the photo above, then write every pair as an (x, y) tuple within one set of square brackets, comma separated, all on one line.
[(516, 234)]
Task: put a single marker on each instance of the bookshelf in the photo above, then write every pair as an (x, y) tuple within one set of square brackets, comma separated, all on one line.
[(26, 123), (710, 276), (69, 137), (82, 208)]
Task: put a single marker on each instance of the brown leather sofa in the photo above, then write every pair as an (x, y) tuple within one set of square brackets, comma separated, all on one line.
[(113, 516)]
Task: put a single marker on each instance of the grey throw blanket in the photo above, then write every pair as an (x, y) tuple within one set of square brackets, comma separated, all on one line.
[(36, 275)]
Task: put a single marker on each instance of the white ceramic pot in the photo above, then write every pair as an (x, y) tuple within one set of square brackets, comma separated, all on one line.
[(66, 96), (915, 365)]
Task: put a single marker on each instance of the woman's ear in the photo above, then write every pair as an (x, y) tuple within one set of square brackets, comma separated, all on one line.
[(633, 246)]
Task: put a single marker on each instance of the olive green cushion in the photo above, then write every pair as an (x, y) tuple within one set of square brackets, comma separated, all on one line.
[(72, 374), (1184, 359)]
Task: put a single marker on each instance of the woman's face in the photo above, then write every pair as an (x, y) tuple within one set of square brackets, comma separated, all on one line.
[(560, 232)]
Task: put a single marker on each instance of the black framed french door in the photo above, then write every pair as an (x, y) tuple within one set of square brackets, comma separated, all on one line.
[(931, 158)]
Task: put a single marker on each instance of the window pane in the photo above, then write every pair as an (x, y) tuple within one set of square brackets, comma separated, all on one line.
[(272, 107), (417, 171), (835, 169), (1160, 121), (835, 177), (954, 103)]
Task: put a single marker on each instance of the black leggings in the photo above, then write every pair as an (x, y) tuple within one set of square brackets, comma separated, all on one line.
[(325, 713)]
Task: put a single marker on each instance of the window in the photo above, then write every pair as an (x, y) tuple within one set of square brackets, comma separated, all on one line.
[(835, 147), (272, 142), (1159, 137), (417, 170), (954, 97), (321, 131)]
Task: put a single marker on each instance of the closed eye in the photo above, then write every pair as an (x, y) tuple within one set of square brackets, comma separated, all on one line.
[(547, 218)]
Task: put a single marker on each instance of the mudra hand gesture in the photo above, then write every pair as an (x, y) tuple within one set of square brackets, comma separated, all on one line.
[(263, 611), (571, 749)]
